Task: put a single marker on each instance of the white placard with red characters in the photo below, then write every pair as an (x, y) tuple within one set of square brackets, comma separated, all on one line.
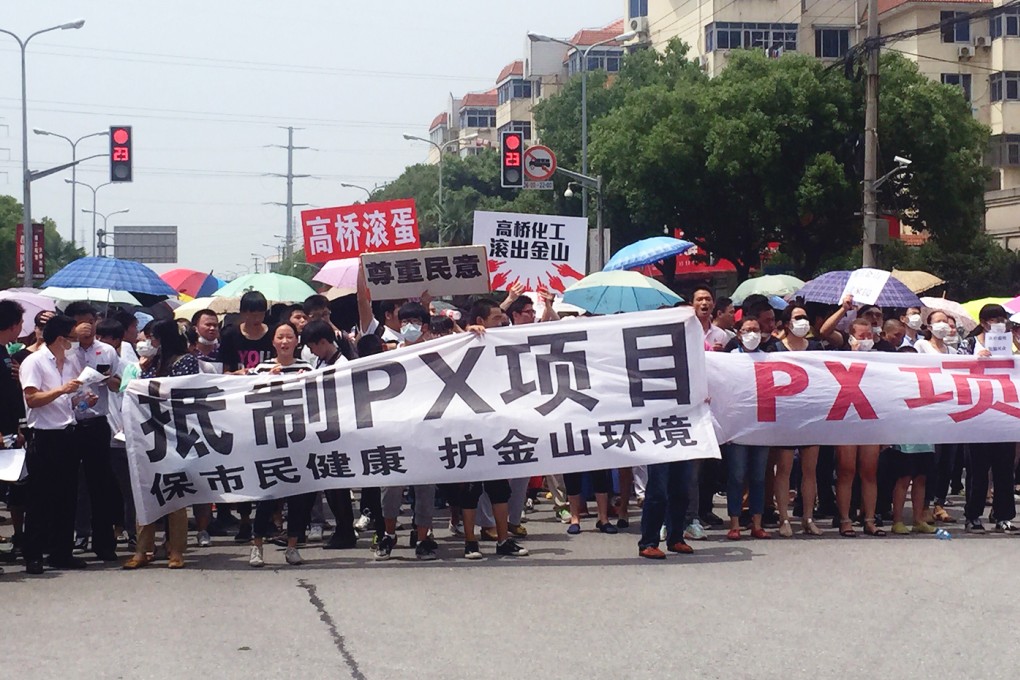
[(348, 231), (545, 251), (805, 398)]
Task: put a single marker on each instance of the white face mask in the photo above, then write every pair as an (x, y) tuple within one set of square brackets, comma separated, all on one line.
[(206, 341), (74, 345), (144, 348), (411, 332), (876, 330), (998, 328), (914, 322), (751, 340), (952, 340), (940, 329), (865, 345), (800, 327)]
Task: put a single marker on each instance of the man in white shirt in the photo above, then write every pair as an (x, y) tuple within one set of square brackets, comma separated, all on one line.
[(93, 435), (49, 378)]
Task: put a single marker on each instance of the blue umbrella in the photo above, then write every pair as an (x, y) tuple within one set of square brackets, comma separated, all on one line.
[(646, 251), (613, 292), (828, 289), (110, 273)]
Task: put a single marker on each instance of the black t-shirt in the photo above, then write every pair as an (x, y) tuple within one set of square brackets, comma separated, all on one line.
[(12, 406), (237, 352), (812, 346)]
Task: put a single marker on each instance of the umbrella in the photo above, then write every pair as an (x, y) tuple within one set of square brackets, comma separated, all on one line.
[(780, 285), (111, 273), (340, 274), (619, 291), (646, 251), (220, 305), (105, 295), (1012, 305), (828, 289), (973, 308), (276, 287), (191, 282), (32, 302), (917, 281), (953, 309)]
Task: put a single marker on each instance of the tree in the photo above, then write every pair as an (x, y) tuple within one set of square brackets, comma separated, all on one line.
[(58, 251)]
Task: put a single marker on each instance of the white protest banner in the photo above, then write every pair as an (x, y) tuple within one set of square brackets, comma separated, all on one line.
[(999, 344), (865, 285), (804, 398), (441, 271), (533, 250), (527, 400)]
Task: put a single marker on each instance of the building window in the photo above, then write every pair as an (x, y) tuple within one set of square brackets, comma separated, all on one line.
[(831, 43), (958, 31), (775, 38), (477, 118), (961, 80), (514, 89), (598, 60), (1006, 24), (1004, 151), (638, 8), (1005, 86), (522, 126)]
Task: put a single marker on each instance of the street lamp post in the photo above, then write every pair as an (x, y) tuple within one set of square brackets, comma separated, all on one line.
[(26, 199), (93, 190), (74, 170), (105, 217), (356, 186), (441, 148), (583, 94)]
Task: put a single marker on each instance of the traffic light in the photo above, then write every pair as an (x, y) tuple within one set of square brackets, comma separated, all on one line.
[(511, 154), (120, 153)]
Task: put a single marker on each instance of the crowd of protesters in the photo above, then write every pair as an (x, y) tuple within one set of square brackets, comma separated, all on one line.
[(76, 498)]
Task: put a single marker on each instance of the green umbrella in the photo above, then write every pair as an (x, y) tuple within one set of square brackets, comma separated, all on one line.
[(771, 284), (619, 291), (276, 287)]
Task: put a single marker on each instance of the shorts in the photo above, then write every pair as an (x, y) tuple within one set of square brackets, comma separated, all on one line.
[(911, 464)]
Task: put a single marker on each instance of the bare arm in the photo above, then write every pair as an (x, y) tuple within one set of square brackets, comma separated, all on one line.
[(36, 398), (829, 327), (549, 314), (515, 292), (364, 302)]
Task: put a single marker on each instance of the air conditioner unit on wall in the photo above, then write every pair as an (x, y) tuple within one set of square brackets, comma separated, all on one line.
[(983, 41), (965, 52), (639, 24)]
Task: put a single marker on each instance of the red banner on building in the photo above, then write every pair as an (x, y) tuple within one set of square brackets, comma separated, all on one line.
[(348, 231), (38, 250)]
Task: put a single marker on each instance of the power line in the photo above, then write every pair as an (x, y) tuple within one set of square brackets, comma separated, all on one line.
[(947, 61)]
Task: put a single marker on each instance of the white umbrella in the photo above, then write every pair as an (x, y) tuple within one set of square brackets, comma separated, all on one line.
[(953, 309), (66, 295), (32, 302)]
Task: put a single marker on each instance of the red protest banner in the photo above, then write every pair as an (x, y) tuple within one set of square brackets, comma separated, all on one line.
[(38, 250), (348, 231)]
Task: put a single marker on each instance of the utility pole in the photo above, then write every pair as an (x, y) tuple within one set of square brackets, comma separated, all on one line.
[(290, 176), (871, 141)]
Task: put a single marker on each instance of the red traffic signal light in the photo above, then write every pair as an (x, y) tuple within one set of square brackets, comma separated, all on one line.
[(511, 151), (120, 153)]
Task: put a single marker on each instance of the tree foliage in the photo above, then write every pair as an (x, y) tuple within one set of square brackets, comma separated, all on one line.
[(58, 251)]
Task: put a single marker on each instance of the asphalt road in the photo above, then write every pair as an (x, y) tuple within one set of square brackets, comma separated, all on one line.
[(578, 607)]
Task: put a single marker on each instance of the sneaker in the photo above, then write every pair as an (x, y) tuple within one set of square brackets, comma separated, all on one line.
[(315, 533), (471, 551), (529, 505), (363, 523), (456, 529), (1006, 527), (293, 557), (489, 535), (564, 515), (81, 544), (974, 526), (385, 547), (510, 548), (203, 540), (255, 559), (924, 528), (662, 534), (426, 550), (122, 538), (652, 553), (695, 532), (517, 531), (900, 529), (243, 534)]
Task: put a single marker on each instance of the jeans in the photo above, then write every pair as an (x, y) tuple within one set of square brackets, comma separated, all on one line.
[(666, 497), (745, 465), (997, 457)]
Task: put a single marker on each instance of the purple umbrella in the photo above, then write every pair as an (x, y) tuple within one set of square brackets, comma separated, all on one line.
[(828, 289)]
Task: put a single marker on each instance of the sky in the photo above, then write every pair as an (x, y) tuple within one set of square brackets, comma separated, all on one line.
[(208, 85)]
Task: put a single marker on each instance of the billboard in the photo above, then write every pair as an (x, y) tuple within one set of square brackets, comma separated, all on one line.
[(145, 243)]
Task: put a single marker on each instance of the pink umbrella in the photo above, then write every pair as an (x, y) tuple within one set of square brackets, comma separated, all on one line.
[(1013, 305), (341, 274)]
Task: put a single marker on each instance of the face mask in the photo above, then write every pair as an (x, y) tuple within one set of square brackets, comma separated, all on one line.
[(751, 340), (865, 345), (74, 346), (914, 322), (205, 341), (800, 327), (953, 340), (145, 349), (411, 332), (998, 328), (940, 329), (876, 330)]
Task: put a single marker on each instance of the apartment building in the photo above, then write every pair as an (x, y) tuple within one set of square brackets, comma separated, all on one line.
[(477, 118), (976, 56)]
